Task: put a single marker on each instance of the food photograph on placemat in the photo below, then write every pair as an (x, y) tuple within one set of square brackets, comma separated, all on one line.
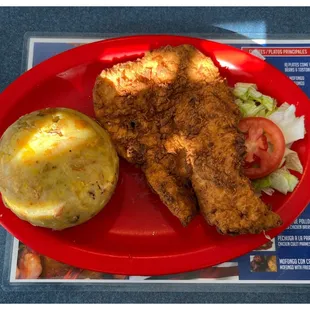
[(157, 158)]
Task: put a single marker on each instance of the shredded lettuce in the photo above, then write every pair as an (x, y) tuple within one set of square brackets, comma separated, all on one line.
[(241, 92), (249, 108), (268, 103), (281, 180), (268, 190), (251, 102), (292, 127), (253, 93), (292, 161), (262, 183)]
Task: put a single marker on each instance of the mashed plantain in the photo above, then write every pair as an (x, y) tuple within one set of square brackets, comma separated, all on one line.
[(58, 168)]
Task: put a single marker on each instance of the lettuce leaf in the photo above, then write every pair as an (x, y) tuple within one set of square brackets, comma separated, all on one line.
[(249, 108), (292, 127), (292, 161), (281, 180), (252, 102)]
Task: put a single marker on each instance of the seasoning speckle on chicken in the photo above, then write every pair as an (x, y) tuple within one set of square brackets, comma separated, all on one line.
[(173, 114)]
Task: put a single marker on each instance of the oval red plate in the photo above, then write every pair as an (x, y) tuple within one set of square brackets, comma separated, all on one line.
[(135, 234)]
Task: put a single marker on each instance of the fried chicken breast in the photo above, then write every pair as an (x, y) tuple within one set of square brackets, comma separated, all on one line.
[(172, 114)]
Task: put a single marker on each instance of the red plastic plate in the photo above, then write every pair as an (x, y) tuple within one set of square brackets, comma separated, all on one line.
[(135, 234)]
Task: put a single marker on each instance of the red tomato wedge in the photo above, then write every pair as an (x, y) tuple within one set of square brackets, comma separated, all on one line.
[(265, 146)]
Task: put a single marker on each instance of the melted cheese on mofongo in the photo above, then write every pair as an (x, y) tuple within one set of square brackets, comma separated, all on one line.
[(58, 168)]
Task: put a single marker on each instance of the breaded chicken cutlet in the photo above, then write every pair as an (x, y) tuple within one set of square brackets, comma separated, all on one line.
[(173, 114)]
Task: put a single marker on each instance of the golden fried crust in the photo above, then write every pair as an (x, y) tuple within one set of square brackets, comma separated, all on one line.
[(207, 128), (135, 102), (172, 113)]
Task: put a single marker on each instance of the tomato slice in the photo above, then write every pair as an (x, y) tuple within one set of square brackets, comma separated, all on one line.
[(265, 146)]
